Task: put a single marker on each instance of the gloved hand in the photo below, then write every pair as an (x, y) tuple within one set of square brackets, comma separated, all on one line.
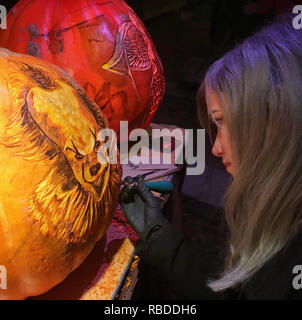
[(145, 213)]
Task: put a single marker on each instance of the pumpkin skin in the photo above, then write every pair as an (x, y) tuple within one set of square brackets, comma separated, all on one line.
[(101, 44), (54, 204)]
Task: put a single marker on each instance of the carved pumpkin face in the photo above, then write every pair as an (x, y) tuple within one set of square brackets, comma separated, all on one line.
[(74, 130), (56, 199), (101, 44)]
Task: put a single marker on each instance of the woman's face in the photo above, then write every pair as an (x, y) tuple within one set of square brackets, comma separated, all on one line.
[(222, 145)]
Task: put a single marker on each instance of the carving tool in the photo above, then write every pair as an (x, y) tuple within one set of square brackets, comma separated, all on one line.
[(129, 187)]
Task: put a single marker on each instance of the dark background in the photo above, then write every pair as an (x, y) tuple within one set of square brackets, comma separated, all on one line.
[(189, 35)]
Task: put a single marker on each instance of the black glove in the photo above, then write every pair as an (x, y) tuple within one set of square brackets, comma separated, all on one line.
[(144, 213)]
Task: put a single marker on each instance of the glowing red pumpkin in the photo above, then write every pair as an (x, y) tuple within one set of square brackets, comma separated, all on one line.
[(101, 44)]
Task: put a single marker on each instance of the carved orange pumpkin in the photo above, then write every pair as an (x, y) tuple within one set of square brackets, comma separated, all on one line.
[(56, 199), (101, 44)]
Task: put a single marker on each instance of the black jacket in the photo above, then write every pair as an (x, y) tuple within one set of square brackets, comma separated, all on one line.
[(179, 263)]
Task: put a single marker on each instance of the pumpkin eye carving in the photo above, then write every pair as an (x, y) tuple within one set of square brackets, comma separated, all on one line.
[(79, 156)]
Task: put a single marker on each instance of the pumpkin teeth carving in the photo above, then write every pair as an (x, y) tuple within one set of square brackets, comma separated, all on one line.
[(54, 205), (70, 215)]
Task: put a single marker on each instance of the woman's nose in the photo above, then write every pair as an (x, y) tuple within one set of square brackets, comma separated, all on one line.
[(217, 150)]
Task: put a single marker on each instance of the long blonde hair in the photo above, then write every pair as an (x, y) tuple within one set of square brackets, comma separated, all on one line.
[(261, 80)]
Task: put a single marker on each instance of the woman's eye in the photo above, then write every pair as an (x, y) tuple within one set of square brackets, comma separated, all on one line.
[(79, 156), (219, 120)]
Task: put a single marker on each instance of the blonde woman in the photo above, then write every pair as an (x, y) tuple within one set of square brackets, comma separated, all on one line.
[(254, 99)]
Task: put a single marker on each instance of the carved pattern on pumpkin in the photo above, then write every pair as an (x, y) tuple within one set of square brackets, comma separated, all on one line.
[(55, 35), (74, 200), (106, 100), (130, 53), (158, 81)]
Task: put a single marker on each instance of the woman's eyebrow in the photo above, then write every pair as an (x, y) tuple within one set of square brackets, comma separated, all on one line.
[(215, 111)]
